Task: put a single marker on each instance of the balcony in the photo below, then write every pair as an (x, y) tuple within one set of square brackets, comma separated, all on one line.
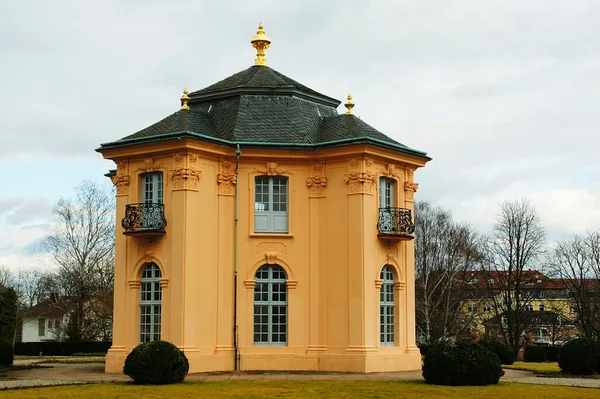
[(395, 224), (144, 219)]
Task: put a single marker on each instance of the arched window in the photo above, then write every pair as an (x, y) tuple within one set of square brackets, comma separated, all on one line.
[(150, 303), (387, 308), (270, 306)]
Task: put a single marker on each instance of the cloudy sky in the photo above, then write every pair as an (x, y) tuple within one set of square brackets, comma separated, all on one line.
[(503, 94)]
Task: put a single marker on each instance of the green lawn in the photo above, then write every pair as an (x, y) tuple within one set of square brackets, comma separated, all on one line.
[(302, 389), (545, 367)]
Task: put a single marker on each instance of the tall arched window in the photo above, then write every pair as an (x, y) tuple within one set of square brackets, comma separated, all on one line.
[(387, 308), (150, 303), (270, 306)]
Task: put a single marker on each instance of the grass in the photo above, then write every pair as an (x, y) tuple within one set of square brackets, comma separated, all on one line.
[(542, 368), (301, 389)]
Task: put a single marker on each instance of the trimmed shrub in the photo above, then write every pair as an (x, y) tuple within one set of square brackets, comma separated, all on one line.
[(501, 349), (6, 354), (461, 364), (156, 362), (423, 349), (535, 354), (579, 356)]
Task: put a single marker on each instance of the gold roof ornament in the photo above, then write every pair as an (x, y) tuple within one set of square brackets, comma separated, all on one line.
[(349, 105), (260, 42), (185, 99)]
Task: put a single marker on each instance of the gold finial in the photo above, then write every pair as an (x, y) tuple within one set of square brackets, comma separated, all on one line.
[(349, 105), (185, 99), (260, 42)]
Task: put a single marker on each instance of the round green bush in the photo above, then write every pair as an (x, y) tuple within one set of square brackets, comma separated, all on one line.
[(501, 349), (579, 356), (7, 354), (461, 364), (156, 362)]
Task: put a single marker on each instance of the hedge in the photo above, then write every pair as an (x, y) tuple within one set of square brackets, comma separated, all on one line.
[(535, 354), (6, 354), (60, 348)]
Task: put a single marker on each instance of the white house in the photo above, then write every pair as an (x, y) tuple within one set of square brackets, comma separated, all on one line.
[(43, 321)]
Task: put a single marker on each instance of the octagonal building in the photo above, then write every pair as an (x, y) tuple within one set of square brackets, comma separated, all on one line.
[(259, 229)]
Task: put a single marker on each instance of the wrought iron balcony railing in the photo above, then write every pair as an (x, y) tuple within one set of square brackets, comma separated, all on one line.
[(145, 218), (395, 223)]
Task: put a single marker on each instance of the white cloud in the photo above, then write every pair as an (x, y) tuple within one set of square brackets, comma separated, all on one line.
[(502, 94)]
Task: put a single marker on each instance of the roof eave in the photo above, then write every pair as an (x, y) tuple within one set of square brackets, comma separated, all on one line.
[(307, 146)]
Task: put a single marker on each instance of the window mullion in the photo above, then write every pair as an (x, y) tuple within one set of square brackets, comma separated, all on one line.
[(271, 218)]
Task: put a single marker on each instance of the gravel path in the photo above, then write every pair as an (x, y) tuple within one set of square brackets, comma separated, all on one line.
[(569, 382), (69, 374)]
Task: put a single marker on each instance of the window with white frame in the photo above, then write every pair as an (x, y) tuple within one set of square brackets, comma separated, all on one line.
[(150, 303), (386, 193), (270, 306), (387, 307), (152, 188), (542, 307), (271, 204)]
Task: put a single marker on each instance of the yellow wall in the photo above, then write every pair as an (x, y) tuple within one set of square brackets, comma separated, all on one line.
[(332, 256)]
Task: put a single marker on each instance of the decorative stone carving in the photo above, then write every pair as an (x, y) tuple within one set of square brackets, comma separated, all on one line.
[(390, 171), (272, 169), (121, 180), (185, 178), (149, 166), (354, 164), (226, 179), (149, 255), (389, 258), (271, 257), (121, 183), (360, 181), (409, 189), (318, 182)]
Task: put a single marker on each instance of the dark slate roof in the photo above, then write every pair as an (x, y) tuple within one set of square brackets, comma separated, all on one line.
[(260, 79), (262, 107)]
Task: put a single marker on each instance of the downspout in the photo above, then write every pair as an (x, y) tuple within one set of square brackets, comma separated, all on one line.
[(236, 350)]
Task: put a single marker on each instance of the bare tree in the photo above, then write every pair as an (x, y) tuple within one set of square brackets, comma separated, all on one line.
[(444, 250), (82, 245), (577, 263), (517, 242), (7, 277)]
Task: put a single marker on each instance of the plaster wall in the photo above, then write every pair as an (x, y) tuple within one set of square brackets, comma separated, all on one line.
[(331, 254)]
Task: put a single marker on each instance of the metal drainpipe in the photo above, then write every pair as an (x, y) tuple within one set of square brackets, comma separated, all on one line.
[(236, 359)]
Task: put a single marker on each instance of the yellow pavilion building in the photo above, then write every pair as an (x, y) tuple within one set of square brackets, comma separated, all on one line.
[(258, 229)]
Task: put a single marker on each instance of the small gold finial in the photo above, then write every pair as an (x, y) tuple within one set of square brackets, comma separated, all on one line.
[(349, 105), (185, 99), (260, 42)]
